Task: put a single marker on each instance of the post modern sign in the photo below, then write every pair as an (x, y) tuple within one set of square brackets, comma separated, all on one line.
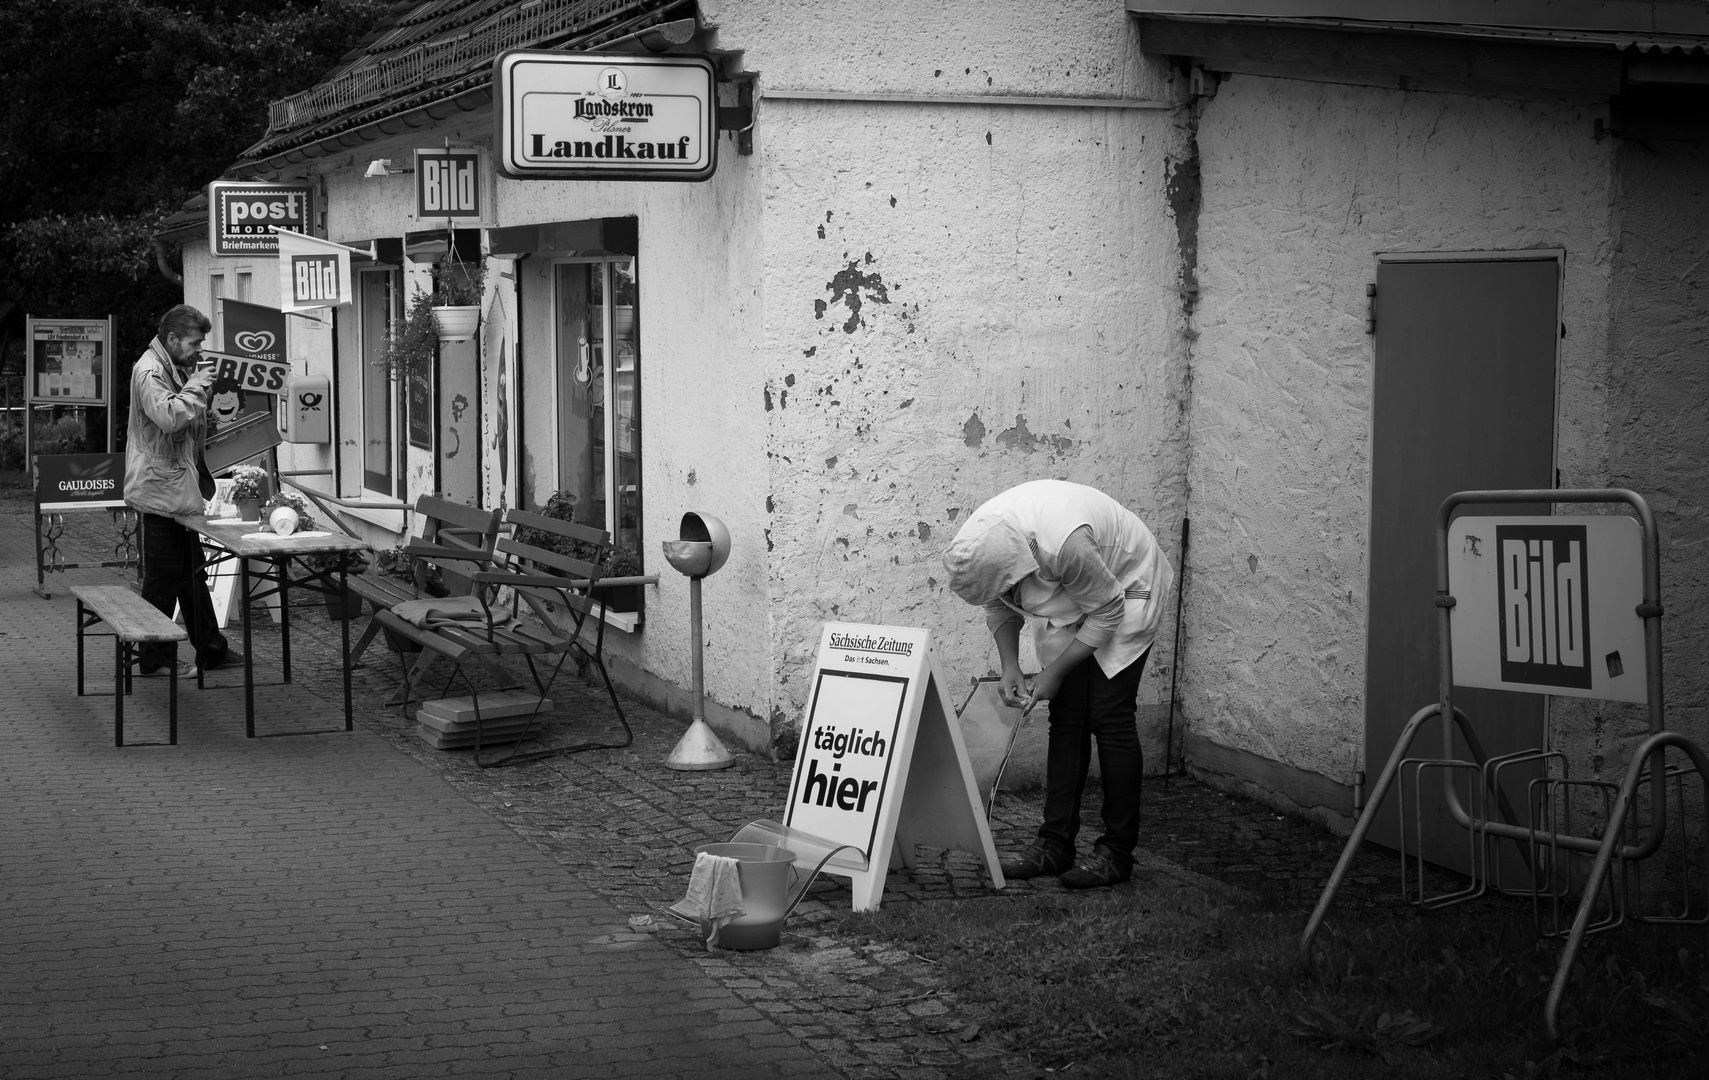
[(586, 116), (1548, 605), (242, 216)]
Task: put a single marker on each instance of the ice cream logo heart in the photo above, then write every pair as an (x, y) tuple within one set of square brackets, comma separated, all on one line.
[(254, 341)]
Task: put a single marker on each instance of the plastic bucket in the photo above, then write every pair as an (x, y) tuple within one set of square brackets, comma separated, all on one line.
[(764, 871)]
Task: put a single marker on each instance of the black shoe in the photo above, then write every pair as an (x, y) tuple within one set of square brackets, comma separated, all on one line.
[(1095, 871), (1034, 862), (226, 658)]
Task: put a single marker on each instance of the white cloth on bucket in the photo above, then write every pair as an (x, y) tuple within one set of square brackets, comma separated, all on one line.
[(714, 892)]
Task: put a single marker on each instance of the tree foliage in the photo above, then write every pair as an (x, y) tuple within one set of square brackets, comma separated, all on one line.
[(114, 112)]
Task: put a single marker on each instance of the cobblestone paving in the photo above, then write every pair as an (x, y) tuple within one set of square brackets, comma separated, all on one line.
[(625, 826)]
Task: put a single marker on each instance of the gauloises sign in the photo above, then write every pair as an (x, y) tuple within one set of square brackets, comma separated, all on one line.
[(74, 481), (583, 116), (241, 216)]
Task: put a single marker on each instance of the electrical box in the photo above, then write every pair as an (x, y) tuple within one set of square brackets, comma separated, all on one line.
[(306, 409)]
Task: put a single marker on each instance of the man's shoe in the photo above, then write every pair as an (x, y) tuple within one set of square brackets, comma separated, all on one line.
[(230, 658), (1095, 871), (1034, 862)]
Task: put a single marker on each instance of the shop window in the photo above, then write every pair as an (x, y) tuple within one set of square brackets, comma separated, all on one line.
[(377, 295), (599, 408), (216, 312)]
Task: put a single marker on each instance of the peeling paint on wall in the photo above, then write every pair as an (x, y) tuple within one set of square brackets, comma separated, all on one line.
[(1019, 438), (973, 432), (852, 288)]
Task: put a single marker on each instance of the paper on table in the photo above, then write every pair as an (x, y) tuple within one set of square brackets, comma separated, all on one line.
[(276, 536)]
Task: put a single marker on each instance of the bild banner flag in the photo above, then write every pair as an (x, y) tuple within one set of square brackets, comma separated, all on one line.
[(313, 273)]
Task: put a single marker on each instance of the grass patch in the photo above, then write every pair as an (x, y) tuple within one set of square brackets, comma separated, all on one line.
[(1155, 981)]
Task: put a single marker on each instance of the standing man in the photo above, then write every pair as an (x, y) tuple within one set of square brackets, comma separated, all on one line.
[(164, 477), (1092, 574)]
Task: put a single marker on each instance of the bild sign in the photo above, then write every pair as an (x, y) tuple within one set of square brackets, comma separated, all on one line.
[(242, 216), (568, 116), (448, 184), (1548, 605)]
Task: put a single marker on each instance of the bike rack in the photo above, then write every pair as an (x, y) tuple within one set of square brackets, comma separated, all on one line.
[(1623, 843)]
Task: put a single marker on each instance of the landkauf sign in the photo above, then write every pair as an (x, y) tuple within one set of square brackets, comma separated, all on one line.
[(241, 216), (587, 116)]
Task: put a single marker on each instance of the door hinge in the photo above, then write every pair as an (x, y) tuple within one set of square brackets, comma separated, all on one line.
[(1371, 307)]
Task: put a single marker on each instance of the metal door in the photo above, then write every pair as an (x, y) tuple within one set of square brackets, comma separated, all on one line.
[(1464, 398)]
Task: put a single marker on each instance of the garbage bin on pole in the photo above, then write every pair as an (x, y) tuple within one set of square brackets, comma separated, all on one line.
[(703, 547)]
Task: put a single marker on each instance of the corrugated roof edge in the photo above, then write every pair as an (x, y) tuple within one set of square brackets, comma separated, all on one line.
[(1619, 40)]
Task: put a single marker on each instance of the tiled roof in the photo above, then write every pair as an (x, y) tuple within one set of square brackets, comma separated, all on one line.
[(429, 50)]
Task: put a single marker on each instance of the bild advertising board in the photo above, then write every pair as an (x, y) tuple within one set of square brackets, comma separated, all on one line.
[(1548, 605)]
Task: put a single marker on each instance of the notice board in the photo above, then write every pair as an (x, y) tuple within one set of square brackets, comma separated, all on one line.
[(881, 766)]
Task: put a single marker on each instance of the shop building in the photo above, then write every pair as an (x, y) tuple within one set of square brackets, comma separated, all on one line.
[(947, 248)]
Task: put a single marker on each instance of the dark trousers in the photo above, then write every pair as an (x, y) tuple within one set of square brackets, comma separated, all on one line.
[(1091, 705), (173, 574)]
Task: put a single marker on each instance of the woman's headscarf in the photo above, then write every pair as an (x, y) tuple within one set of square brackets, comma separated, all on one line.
[(988, 555)]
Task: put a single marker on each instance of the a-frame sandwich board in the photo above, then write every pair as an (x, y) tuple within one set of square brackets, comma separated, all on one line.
[(881, 765)]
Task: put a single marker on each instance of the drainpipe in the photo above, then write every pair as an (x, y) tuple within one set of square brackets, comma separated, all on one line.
[(166, 270)]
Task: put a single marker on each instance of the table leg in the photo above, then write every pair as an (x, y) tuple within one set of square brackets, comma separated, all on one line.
[(344, 653), (284, 567), (248, 652)]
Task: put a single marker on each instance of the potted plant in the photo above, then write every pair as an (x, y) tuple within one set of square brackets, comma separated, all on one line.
[(457, 297), (614, 561), (413, 343), (248, 490), (305, 519)]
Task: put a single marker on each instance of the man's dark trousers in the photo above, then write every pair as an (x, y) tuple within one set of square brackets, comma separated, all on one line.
[(173, 575)]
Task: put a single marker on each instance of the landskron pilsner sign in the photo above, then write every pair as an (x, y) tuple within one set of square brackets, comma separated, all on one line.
[(585, 116)]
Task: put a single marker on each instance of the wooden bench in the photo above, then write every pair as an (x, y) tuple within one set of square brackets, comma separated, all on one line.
[(132, 621), (449, 532), (559, 591)]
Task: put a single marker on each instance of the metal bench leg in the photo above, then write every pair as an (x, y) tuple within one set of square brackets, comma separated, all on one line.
[(80, 646), (121, 659)]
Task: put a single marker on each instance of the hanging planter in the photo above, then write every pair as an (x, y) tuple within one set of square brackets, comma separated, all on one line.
[(458, 322)]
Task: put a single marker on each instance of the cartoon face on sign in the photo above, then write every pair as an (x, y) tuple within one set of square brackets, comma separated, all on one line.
[(226, 402)]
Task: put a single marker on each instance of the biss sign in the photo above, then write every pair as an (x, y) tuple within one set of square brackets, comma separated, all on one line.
[(1548, 605), (244, 218)]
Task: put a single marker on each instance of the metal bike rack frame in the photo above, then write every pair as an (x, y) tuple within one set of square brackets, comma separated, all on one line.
[(1647, 759)]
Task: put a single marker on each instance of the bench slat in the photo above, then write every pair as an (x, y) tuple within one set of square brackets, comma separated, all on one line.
[(130, 617)]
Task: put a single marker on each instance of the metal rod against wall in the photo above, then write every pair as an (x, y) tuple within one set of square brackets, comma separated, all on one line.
[(1175, 654), (972, 99)]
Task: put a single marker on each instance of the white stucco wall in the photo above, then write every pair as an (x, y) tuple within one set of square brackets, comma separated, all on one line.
[(1657, 383), (958, 297), (1304, 183)]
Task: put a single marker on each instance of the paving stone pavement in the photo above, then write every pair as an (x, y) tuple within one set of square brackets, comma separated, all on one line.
[(355, 901)]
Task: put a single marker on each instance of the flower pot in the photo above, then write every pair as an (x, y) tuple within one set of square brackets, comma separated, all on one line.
[(248, 509), (620, 597), (457, 323)]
